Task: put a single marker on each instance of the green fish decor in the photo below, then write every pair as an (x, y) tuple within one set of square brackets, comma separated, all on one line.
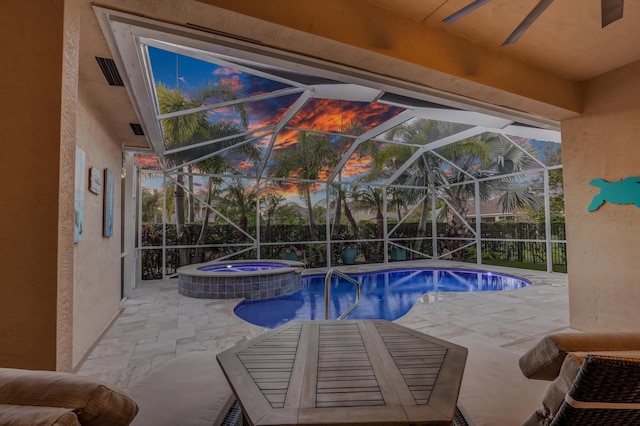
[(624, 191)]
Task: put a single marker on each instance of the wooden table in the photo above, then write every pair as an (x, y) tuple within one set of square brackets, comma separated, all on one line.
[(345, 372)]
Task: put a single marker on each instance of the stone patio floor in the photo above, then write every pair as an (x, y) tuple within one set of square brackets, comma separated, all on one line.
[(157, 324)]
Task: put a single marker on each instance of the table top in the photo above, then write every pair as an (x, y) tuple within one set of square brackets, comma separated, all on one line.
[(345, 372)]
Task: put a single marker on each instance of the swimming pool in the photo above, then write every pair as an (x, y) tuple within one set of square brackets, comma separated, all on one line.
[(387, 294)]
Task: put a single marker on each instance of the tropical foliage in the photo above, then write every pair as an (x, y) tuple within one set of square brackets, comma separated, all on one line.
[(483, 167), (190, 128), (305, 160)]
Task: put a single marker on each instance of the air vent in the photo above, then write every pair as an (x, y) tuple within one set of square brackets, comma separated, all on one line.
[(137, 129), (108, 67)]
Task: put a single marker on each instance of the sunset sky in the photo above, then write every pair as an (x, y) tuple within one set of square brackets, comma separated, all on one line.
[(325, 115), (190, 75)]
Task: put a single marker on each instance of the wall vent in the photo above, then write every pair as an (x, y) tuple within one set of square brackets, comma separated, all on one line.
[(137, 129), (108, 67)]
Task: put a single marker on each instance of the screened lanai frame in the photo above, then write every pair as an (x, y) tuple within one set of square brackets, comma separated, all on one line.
[(130, 38)]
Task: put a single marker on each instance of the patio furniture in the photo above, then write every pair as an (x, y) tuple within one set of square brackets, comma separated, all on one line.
[(595, 377), (494, 392), (345, 372), (498, 389), (187, 390), (29, 397)]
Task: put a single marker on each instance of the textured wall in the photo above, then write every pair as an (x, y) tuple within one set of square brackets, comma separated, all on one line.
[(96, 295), (66, 190), (604, 245), (30, 146)]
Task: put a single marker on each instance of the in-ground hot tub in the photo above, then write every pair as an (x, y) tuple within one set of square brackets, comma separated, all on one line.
[(248, 279)]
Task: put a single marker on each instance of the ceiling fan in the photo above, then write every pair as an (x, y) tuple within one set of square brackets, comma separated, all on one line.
[(611, 12)]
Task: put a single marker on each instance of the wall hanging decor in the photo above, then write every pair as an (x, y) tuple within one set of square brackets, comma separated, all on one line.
[(78, 220), (95, 180), (624, 191), (108, 203)]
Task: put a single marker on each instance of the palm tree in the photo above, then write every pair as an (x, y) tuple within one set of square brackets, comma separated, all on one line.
[(151, 206), (473, 158), (506, 157), (241, 201), (371, 200), (270, 204), (178, 131), (211, 165), (217, 165), (342, 146), (187, 129), (306, 159)]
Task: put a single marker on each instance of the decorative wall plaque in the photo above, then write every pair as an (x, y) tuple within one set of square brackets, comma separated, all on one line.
[(95, 180), (624, 191)]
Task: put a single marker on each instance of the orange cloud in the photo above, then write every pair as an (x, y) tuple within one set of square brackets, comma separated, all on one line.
[(147, 161), (332, 115), (233, 82), (225, 71), (289, 189), (262, 115), (320, 114), (356, 166), (286, 138), (245, 165)]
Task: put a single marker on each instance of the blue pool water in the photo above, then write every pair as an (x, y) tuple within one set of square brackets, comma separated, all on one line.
[(243, 267), (384, 294)]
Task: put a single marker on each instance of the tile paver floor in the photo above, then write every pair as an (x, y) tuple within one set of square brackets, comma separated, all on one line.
[(157, 324)]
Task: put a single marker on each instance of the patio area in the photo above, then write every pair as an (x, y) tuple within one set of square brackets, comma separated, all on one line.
[(157, 324)]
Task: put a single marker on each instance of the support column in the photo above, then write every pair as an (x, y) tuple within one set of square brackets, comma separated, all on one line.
[(547, 222), (39, 86), (129, 208)]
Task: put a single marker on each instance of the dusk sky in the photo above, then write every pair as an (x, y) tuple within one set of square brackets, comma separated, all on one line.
[(326, 115)]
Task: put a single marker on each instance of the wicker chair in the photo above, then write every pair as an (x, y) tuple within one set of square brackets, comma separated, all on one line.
[(595, 379), (606, 392)]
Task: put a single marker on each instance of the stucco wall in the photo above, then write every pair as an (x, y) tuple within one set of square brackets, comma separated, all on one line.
[(30, 145), (604, 245), (97, 258)]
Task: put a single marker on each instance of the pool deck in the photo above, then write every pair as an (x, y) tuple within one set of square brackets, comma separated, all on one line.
[(156, 323)]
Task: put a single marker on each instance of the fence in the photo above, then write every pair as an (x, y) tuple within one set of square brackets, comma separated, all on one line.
[(504, 242)]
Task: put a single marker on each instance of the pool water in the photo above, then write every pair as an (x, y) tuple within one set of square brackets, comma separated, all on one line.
[(385, 294), (243, 267)]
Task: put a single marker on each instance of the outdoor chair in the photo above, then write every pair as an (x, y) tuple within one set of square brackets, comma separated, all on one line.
[(596, 379)]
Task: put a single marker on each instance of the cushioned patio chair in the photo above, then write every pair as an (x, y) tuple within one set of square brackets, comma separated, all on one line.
[(606, 392), (596, 379)]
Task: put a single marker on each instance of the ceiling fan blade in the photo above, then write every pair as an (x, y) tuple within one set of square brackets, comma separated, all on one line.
[(526, 23), (465, 10), (611, 11)]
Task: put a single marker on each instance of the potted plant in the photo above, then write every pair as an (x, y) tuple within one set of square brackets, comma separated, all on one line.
[(291, 253), (398, 253), (348, 249)]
